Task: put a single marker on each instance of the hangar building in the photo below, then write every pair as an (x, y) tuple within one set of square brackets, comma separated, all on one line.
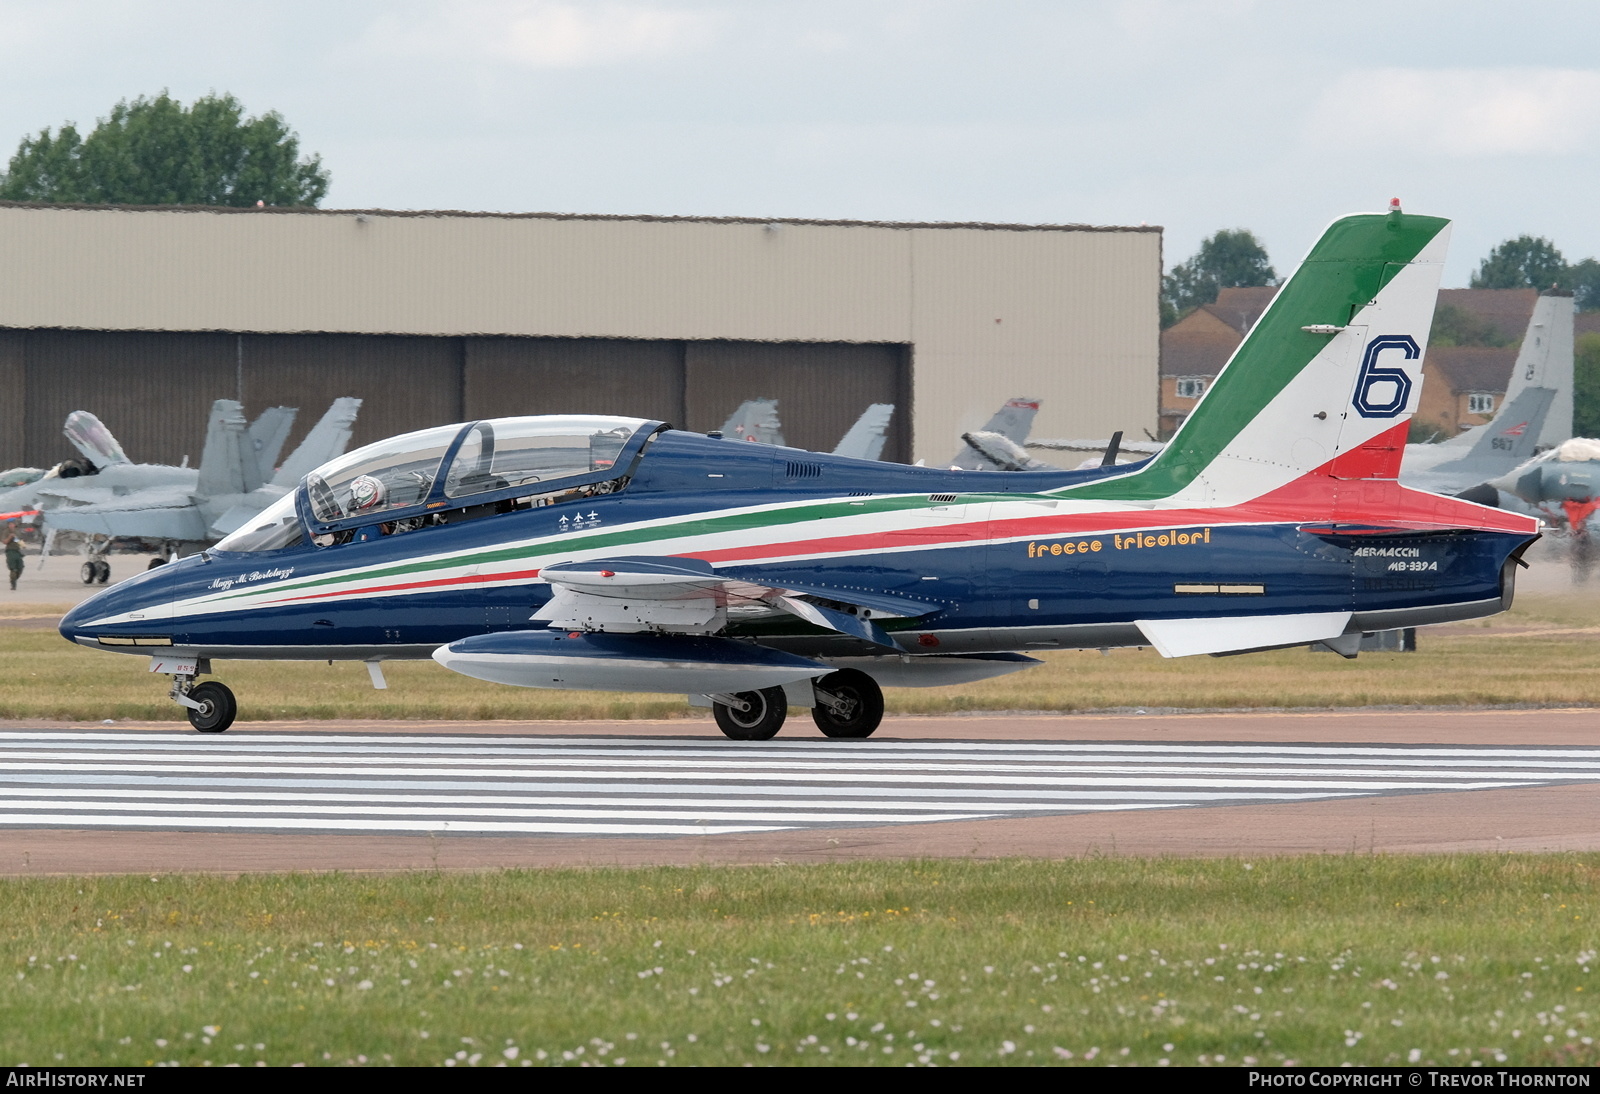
[(145, 316)]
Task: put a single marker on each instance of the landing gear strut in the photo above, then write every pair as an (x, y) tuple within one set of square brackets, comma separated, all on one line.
[(849, 704), (211, 705), (751, 715)]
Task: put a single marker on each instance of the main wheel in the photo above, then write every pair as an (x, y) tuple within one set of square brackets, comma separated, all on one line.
[(761, 722), (862, 702), (217, 707), (89, 572), (102, 571), (154, 562)]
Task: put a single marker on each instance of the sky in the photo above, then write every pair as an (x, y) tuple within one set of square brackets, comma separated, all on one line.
[(1272, 116)]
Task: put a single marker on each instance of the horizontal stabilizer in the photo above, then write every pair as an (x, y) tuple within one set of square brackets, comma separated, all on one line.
[(1187, 637), (624, 662)]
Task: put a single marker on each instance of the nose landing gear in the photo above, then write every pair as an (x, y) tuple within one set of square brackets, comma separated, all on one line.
[(211, 706)]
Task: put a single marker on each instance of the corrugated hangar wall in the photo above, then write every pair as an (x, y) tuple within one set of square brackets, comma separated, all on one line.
[(145, 315), (154, 390)]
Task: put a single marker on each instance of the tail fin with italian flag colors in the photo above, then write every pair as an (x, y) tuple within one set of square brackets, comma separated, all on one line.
[(1323, 385)]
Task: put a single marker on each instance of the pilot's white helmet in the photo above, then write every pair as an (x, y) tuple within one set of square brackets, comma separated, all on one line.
[(366, 493)]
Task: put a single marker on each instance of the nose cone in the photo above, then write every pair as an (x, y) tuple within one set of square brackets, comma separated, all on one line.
[(141, 605)]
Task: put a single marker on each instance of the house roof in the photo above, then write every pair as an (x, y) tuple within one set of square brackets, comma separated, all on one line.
[(1473, 368), (1508, 309), (1201, 342), (1240, 308)]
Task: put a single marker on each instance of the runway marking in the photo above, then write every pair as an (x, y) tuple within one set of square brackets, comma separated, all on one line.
[(589, 786)]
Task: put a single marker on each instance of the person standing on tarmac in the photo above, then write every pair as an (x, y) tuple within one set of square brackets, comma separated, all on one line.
[(13, 557)]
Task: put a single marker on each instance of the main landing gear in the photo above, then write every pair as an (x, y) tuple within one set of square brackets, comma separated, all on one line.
[(751, 715), (848, 704), (211, 705)]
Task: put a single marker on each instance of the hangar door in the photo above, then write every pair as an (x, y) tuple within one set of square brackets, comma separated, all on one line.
[(155, 389), (821, 387)]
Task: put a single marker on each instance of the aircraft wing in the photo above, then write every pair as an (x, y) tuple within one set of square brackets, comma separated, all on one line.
[(177, 520)]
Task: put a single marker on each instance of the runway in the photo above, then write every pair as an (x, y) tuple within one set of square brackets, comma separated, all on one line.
[(600, 787)]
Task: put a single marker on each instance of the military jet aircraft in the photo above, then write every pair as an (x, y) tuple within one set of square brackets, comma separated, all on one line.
[(1536, 413), (757, 420), (185, 508), (609, 553)]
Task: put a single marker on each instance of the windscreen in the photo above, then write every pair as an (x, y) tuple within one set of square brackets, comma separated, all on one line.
[(277, 527), (391, 474)]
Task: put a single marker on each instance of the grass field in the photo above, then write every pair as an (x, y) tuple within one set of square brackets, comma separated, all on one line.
[(1542, 653), (1319, 960)]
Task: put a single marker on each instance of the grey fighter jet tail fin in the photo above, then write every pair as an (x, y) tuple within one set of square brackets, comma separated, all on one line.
[(266, 436), (225, 466), (326, 440), (866, 438), (755, 420)]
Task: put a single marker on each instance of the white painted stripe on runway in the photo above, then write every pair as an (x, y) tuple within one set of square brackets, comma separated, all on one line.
[(755, 765), (591, 786), (11, 798), (309, 824), (470, 812), (776, 750), (970, 778)]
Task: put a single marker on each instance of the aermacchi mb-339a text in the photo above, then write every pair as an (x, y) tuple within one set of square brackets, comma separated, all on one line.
[(614, 553)]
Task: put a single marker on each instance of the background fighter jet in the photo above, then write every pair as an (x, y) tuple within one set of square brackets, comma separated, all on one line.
[(1536, 414), (105, 495), (608, 553), (757, 420)]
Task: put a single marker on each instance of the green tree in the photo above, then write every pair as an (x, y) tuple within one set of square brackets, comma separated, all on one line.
[(1586, 386), (1233, 258), (1583, 278), (158, 152), (1521, 263)]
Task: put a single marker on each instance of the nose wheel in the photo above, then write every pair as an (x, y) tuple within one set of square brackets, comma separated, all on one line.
[(211, 706)]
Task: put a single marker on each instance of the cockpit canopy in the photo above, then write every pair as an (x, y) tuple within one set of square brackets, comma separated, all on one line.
[(441, 469)]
